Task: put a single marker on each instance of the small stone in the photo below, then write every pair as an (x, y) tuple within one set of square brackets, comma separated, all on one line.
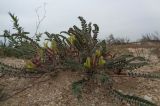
[(146, 97), (155, 90), (97, 91), (128, 104)]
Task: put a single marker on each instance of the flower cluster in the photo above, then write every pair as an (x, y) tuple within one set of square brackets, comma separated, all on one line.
[(95, 60)]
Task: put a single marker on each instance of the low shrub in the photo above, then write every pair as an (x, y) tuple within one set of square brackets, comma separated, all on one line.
[(79, 49)]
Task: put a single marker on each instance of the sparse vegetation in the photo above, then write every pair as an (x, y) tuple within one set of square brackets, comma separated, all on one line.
[(80, 50), (151, 37), (111, 40)]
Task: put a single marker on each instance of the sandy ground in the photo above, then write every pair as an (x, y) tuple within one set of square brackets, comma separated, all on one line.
[(56, 91)]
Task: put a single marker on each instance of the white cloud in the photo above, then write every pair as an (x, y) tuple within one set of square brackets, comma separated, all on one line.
[(121, 17)]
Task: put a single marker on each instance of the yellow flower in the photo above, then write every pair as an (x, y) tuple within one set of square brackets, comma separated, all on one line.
[(101, 61), (45, 44), (54, 45), (30, 65), (98, 53), (87, 64), (40, 52), (72, 39)]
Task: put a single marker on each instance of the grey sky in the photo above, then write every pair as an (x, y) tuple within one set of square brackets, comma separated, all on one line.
[(130, 18)]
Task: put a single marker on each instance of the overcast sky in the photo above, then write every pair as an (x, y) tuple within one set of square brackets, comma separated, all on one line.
[(123, 18)]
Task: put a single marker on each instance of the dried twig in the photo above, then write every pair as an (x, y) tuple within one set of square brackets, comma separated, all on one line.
[(40, 20)]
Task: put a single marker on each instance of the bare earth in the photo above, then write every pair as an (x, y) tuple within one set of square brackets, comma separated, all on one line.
[(56, 91)]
